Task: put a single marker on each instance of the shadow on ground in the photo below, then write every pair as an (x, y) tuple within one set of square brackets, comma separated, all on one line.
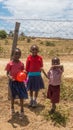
[(15, 119)]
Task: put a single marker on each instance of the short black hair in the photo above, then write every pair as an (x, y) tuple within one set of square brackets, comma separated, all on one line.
[(17, 49), (34, 47), (55, 61)]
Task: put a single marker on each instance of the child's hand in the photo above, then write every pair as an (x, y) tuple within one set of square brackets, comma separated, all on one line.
[(11, 78), (57, 66), (60, 67), (25, 71)]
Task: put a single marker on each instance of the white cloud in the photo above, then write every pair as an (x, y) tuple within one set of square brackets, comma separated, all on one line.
[(1, 0), (40, 8)]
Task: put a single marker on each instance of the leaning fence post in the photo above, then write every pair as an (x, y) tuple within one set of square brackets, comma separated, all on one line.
[(15, 39), (16, 31)]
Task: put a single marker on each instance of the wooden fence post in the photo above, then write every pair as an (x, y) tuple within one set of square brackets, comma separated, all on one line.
[(16, 31), (15, 39)]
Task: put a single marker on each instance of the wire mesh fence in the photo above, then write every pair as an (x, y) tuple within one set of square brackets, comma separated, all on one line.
[(40, 27)]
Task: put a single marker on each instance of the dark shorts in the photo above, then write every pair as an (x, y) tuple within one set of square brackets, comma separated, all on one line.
[(35, 83), (53, 93)]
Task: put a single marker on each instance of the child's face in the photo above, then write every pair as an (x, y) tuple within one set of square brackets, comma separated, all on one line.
[(34, 51), (55, 61), (17, 55)]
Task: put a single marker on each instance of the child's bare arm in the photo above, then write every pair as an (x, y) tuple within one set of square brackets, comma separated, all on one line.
[(44, 72)]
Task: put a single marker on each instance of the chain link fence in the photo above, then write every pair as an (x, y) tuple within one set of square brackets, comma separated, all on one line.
[(40, 28)]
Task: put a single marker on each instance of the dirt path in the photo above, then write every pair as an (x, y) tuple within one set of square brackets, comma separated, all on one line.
[(68, 67)]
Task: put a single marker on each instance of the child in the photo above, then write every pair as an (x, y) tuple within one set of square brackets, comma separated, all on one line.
[(34, 64), (54, 76), (17, 88)]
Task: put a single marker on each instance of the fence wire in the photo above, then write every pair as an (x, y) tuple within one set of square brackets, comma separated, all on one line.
[(40, 28)]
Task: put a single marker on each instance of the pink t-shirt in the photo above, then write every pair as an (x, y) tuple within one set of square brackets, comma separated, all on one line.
[(34, 63), (54, 76), (14, 67)]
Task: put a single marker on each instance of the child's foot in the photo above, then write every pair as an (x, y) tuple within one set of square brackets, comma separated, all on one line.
[(52, 111), (34, 103), (12, 112), (21, 115), (31, 103)]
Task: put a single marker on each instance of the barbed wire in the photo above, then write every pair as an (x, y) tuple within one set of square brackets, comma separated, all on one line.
[(58, 20), (40, 27)]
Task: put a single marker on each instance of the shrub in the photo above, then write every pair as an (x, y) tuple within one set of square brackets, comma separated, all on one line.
[(3, 34), (47, 43)]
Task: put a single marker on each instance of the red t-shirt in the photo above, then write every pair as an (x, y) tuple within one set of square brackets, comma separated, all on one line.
[(14, 67), (34, 63)]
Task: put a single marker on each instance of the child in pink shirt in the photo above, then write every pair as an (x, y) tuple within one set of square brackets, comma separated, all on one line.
[(54, 75)]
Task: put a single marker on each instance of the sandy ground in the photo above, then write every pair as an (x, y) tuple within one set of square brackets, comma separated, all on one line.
[(32, 119), (68, 67)]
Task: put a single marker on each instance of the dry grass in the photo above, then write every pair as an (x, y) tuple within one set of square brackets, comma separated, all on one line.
[(48, 47)]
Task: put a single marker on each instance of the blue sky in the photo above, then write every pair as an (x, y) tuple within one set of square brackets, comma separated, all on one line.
[(35, 9)]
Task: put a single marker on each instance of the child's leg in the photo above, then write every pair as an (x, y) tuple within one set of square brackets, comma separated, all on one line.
[(53, 106), (12, 106), (35, 95), (12, 103), (21, 105), (21, 109), (35, 99), (31, 97)]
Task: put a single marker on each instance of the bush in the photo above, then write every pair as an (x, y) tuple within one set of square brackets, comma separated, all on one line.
[(47, 43), (3, 34)]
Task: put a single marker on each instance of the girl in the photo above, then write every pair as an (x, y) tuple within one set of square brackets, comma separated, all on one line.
[(34, 64), (54, 76), (17, 88)]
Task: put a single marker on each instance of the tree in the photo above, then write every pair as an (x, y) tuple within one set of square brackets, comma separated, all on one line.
[(11, 34), (3, 34), (22, 34)]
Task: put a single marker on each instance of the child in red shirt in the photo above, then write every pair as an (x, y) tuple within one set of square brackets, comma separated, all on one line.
[(17, 88), (34, 64)]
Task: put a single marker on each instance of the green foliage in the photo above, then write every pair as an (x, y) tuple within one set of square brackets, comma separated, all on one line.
[(22, 38), (47, 43), (3, 34)]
